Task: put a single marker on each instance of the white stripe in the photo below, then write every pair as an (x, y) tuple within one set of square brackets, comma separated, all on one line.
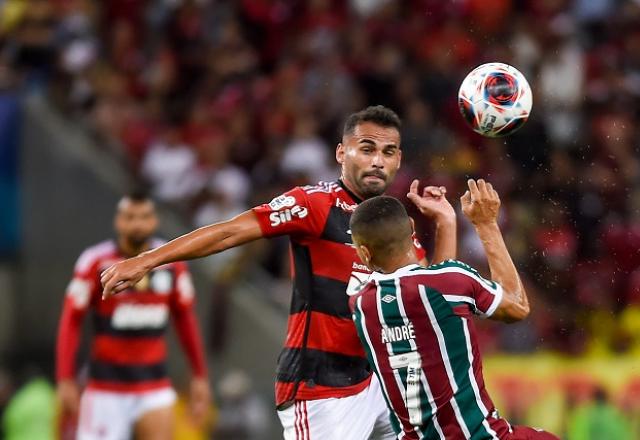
[(460, 298), (365, 332), (412, 344), (396, 373), (434, 408), (474, 384), (445, 359)]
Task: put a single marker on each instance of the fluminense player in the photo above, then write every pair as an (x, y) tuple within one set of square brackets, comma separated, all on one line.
[(416, 322)]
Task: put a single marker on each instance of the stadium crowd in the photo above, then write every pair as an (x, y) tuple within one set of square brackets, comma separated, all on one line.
[(220, 105)]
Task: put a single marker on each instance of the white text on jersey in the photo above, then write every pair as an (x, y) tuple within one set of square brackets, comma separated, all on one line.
[(286, 215), (137, 316), (399, 333)]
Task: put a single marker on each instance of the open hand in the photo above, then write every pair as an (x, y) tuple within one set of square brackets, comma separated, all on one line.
[(433, 202), (480, 203)]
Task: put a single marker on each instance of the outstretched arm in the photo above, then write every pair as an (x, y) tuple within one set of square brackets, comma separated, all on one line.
[(433, 203), (199, 243), (481, 204)]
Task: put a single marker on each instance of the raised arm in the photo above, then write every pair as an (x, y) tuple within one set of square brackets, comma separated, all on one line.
[(433, 204), (481, 204), (199, 243)]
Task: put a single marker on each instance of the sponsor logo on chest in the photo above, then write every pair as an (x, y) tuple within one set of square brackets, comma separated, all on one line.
[(131, 316)]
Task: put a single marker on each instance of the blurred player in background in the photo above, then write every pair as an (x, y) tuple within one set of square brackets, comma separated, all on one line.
[(324, 386), (415, 322), (128, 393)]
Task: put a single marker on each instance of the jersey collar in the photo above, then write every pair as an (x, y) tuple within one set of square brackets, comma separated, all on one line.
[(354, 197), (378, 276)]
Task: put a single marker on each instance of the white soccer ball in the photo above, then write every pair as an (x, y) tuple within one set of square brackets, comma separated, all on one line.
[(495, 99)]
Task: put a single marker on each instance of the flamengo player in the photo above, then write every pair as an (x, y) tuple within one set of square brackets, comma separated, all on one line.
[(129, 393), (324, 386), (415, 322)]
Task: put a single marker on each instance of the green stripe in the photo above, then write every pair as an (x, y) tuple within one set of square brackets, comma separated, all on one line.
[(452, 329)]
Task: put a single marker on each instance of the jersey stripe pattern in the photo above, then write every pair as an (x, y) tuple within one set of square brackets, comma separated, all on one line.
[(128, 348), (418, 334), (322, 356)]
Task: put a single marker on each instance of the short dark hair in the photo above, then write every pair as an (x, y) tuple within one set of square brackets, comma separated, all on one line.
[(378, 114), (382, 223), (137, 195)]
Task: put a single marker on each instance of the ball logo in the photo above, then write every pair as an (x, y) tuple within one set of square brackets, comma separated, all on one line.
[(161, 282), (281, 202), (284, 216)]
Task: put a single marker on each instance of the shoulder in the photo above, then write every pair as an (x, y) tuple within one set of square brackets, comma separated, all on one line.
[(93, 254)]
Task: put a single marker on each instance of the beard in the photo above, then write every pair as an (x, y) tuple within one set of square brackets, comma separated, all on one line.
[(373, 188), (137, 241)]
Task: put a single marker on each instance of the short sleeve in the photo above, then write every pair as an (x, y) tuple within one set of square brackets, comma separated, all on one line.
[(184, 291), (289, 214), (84, 281), (465, 284)]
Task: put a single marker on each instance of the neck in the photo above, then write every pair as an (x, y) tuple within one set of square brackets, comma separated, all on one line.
[(395, 262), (129, 249), (351, 188)]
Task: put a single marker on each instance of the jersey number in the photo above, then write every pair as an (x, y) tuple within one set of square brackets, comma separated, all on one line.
[(411, 361)]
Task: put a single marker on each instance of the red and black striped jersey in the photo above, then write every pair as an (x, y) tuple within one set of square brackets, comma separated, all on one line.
[(128, 348), (418, 333), (322, 355)]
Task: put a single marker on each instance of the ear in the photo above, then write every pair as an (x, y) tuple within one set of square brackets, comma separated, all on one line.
[(413, 225), (340, 153), (365, 255), (399, 160)]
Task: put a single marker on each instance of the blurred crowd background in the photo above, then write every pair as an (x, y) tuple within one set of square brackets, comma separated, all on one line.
[(216, 106)]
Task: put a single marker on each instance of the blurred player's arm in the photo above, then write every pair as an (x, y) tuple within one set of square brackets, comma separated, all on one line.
[(481, 204), (74, 309), (199, 243), (433, 204), (186, 325)]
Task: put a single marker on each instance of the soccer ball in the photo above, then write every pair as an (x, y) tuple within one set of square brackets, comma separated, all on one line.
[(495, 99)]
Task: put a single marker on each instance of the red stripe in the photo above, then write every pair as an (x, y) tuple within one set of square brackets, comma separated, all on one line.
[(137, 387), (284, 391), (297, 421), (326, 333), (324, 255), (125, 351), (306, 419)]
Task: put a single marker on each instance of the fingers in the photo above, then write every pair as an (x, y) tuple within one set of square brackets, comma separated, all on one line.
[(413, 189), (473, 189), (434, 191)]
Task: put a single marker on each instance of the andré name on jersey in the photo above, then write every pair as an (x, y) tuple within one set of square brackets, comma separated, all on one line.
[(398, 333)]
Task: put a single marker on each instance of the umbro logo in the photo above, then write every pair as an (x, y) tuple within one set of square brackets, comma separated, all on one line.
[(388, 299)]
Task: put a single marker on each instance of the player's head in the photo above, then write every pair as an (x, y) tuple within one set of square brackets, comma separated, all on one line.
[(369, 153), (381, 230), (135, 220)]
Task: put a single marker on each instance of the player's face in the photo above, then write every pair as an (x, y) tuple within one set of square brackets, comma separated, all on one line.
[(135, 221), (370, 158)]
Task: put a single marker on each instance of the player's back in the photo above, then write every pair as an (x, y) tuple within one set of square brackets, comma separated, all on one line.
[(419, 336)]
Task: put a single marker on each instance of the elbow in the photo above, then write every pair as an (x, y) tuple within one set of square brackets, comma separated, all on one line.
[(518, 313)]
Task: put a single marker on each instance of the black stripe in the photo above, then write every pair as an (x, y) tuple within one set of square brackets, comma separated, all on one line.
[(329, 297), (337, 225), (126, 373), (102, 326), (321, 368)]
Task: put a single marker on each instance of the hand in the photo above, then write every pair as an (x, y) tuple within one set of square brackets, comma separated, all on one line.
[(123, 275), (200, 399), (69, 397), (433, 203), (480, 203)]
